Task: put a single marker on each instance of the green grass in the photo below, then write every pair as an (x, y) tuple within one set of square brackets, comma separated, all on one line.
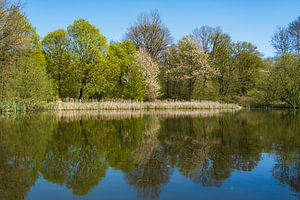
[(22, 106)]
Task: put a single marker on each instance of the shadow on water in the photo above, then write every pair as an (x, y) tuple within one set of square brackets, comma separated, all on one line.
[(75, 150)]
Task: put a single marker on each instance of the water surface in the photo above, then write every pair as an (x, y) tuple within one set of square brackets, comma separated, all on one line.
[(251, 155)]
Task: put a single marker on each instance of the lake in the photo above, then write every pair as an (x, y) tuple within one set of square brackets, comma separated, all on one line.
[(209, 155)]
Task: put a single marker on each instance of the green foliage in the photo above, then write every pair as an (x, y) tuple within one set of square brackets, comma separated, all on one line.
[(206, 65), (211, 66), (222, 61), (88, 49), (83, 66), (247, 62), (26, 80), (285, 80), (120, 58), (56, 46), (31, 83), (23, 78), (134, 85)]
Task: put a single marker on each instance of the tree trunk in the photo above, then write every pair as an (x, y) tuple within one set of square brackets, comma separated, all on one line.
[(190, 88)]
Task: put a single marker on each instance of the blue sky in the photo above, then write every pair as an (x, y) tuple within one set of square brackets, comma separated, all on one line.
[(245, 20)]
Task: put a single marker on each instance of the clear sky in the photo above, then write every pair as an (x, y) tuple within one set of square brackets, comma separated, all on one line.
[(245, 20)]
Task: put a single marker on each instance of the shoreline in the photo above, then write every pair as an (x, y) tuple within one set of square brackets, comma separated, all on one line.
[(125, 105)]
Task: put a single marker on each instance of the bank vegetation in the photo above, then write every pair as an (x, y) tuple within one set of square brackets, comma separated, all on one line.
[(147, 69)]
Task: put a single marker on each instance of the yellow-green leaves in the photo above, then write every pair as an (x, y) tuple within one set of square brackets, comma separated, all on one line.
[(56, 48), (87, 47)]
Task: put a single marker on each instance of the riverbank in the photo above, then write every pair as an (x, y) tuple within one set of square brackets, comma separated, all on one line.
[(122, 105)]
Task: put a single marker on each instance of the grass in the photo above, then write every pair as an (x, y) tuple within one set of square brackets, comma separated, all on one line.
[(22, 106), (136, 105)]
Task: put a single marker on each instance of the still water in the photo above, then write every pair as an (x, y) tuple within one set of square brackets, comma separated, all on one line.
[(252, 155)]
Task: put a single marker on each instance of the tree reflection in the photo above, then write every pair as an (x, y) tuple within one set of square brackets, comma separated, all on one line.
[(22, 145), (288, 174), (190, 145), (151, 171), (287, 149), (146, 148)]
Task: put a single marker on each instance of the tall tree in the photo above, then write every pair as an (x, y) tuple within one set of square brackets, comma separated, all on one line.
[(221, 60), (150, 72), (23, 73), (56, 47), (204, 36), (87, 49), (294, 31), (285, 80), (192, 64), (14, 29), (170, 86), (247, 63), (29, 82), (281, 41), (120, 60), (149, 33)]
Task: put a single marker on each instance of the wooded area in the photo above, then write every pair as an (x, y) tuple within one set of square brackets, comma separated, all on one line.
[(78, 62)]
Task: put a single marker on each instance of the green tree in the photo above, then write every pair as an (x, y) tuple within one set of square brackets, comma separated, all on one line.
[(14, 36), (221, 60), (134, 84), (57, 53), (120, 60), (247, 62), (171, 88), (29, 82), (87, 52), (285, 80)]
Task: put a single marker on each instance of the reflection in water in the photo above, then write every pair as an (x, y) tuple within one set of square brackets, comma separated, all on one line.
[(23, 142), (77, 150)]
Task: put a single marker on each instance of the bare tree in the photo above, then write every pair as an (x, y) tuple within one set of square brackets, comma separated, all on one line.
[(294, 31), (281, 41), (150, 33), (204, 36)]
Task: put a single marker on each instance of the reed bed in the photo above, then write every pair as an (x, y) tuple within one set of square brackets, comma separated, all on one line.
[(136, 105), (75, 115)]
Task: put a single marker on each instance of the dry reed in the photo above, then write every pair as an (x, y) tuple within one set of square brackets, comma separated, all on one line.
[(136, 105)]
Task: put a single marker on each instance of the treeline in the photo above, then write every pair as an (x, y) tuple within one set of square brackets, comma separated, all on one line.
[(78, 62)]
